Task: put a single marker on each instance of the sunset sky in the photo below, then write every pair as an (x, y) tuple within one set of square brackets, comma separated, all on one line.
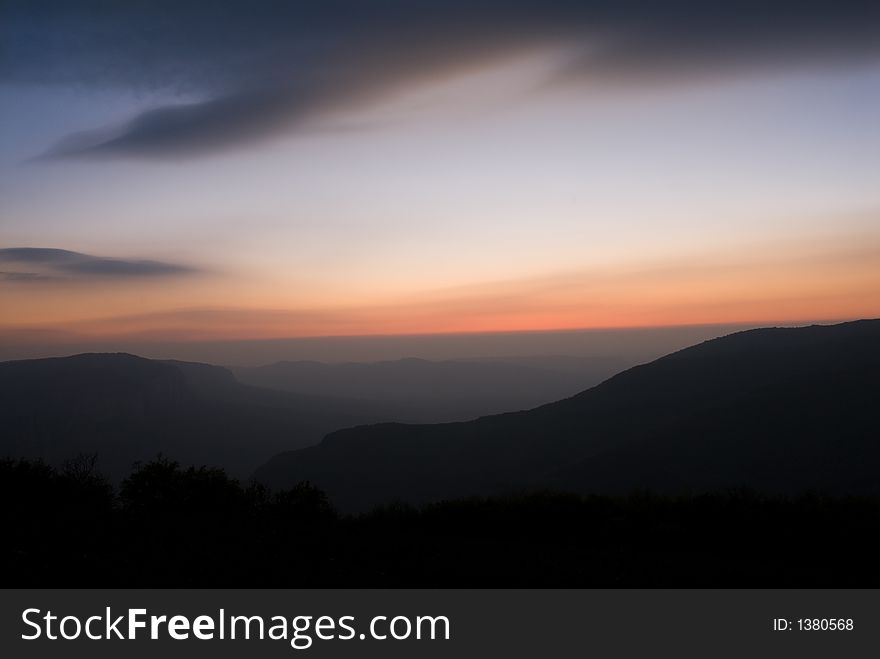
[(268, 170)]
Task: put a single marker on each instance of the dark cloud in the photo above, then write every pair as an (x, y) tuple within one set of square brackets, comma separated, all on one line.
[(61, 264), (24, 277), (258, 68)]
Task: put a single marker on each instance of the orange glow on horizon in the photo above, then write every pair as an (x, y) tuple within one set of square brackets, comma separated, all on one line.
[(769, 283)]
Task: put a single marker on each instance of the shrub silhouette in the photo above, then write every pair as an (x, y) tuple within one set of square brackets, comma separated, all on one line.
[(177, 526)]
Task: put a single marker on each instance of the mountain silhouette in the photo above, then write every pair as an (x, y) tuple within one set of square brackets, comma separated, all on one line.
[(780, 409), (423, 391), (126, 408)]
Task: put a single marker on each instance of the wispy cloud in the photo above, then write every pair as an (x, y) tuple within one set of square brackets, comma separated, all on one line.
[(24, 277), (256, 69), (48, 264)]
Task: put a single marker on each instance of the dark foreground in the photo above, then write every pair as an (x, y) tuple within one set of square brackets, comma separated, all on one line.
[(171, 527)]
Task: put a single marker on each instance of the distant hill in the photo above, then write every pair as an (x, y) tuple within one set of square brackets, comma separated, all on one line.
[(126, 408), (782, 410), (423, 391)]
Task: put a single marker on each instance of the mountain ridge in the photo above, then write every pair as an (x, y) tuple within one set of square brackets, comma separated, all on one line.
[(663, 399), (127, 408), (419, 390)]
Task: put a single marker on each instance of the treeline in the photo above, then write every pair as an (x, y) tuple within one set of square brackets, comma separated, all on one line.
[(170, 526)]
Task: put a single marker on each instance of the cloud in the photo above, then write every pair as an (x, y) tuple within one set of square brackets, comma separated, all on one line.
[(24, 277), (251, 70), (62, 264)]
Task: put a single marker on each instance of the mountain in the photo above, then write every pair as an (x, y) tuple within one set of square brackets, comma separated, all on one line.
[(778, 409), (126, 408), (423, 391)]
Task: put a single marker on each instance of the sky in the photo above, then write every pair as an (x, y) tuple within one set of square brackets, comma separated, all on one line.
[(190, 172)]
